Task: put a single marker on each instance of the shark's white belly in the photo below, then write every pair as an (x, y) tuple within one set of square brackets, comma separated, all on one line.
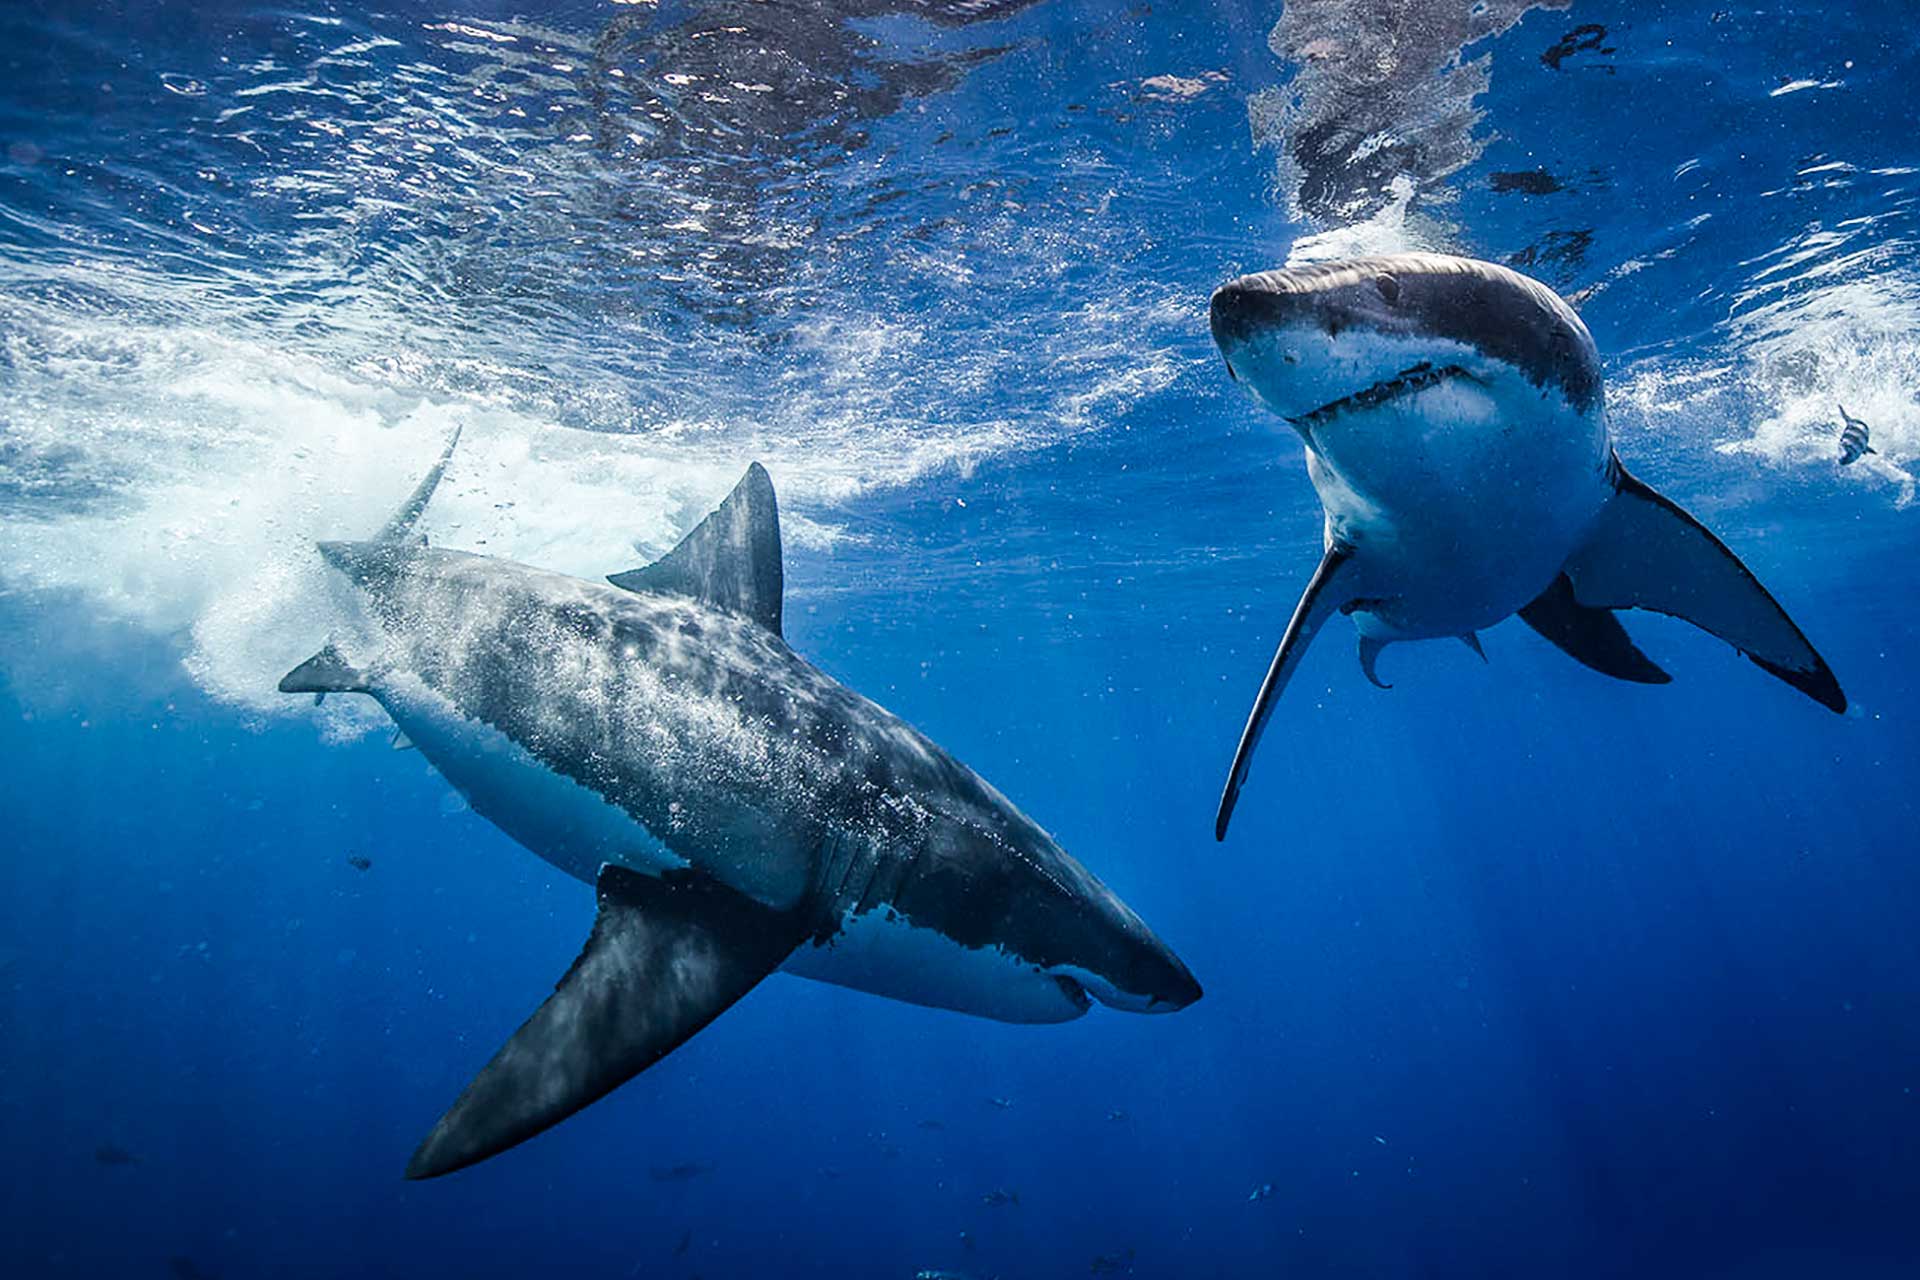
[(881, 953), (1462, 505), (571, 826), (577, 830)]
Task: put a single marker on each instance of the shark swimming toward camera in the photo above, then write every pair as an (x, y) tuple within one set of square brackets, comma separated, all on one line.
[(1456, 432), (737, 810)]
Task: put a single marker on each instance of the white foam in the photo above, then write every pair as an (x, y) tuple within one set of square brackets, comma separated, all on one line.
[(1387, 231), (222, 460), (1820, 325)]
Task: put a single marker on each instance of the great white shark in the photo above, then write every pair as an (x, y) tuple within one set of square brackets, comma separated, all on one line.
[(737, 810), (1456, 431)]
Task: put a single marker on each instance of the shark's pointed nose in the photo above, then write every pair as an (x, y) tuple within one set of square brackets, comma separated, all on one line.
[(1180, 987), (1248, 306), (1161, 979)]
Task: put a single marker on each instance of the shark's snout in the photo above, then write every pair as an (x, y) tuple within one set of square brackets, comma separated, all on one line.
[(1143, 976), (1174, 986), (1251, 306)]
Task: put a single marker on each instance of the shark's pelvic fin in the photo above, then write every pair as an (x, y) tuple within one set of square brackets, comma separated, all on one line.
[(731, 560), (325, 672), (1472, 641), (1647, 553), (1323, 597), (1591, 637), (1370, 656), (400, 527), (666, 956)]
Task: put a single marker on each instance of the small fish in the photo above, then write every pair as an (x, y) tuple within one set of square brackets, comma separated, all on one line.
[(1002, 1103), (686, 1243), (1260, 1192), (1111, 1263), (359, 863), (680, 1172), (1000, 1196), (107, 1153), (1116, 1116), (1853, 438)]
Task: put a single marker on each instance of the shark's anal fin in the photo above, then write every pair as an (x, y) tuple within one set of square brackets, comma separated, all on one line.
[(325, 672), (1592, 637), (1647, 553), (1322, 598), (666, 956), (731, 560)]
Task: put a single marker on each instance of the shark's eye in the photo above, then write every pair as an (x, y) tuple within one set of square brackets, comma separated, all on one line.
[(1389, 288)]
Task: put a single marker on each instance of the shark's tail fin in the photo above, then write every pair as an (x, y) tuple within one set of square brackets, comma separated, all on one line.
[(400, 527), (326, 671)]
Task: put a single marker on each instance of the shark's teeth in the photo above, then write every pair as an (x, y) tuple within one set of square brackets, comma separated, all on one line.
[(1404, 383)]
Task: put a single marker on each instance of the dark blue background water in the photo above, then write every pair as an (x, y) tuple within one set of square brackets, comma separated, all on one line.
[(1510, 971)]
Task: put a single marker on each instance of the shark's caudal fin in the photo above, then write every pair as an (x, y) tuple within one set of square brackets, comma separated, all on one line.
[(326, 671), (1647, 553), (1322, 599), (666, 956), (731, 560), (400, 527)]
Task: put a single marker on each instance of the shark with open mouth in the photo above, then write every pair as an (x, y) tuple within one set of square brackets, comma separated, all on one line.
[(1456, 431)]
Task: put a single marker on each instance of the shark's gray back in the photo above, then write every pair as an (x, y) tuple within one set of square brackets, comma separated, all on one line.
[(732, 750)]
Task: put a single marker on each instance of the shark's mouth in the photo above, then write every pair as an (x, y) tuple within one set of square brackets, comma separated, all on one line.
[(1405, 383)]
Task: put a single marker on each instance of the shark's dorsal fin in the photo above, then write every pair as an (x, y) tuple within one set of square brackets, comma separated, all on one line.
[(731, 560)]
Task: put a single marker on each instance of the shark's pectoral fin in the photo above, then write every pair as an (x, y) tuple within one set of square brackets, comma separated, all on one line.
[(666, 957), (1323, 597), (731, 560), (1591, 637), (1647, 553)]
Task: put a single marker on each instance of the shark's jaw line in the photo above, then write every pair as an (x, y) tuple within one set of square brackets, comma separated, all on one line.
[(1407, 382)]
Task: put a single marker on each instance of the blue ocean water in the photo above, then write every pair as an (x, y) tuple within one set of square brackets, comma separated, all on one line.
[(1510, 971)]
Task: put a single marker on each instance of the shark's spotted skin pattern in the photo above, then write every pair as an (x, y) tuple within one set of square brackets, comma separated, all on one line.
[(1455, 425), (656, 735)]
